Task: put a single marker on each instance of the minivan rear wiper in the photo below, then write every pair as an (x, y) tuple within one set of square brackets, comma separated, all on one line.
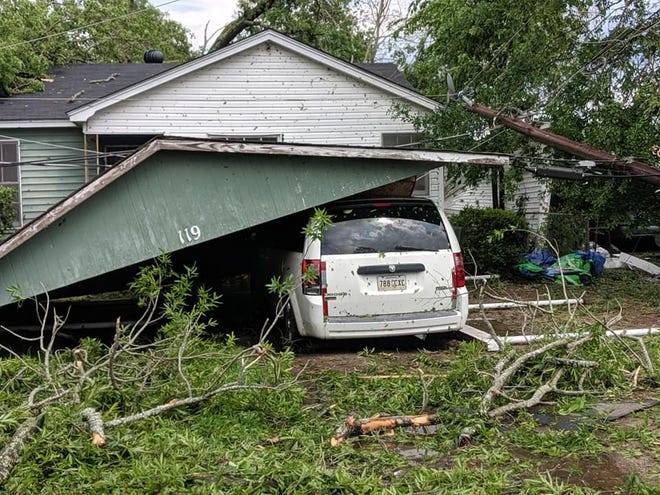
[(364, 249), (408, 248)]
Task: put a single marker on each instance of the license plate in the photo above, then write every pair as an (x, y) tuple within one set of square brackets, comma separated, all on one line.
[(392, 282)]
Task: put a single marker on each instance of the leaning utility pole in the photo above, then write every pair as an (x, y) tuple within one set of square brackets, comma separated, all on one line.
[(644, 171)]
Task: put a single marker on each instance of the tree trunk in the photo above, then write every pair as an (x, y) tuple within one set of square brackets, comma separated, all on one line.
[(236, 27)]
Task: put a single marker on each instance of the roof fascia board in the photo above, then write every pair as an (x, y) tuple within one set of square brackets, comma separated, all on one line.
[(83, 113), (104, 180), (35, 124)]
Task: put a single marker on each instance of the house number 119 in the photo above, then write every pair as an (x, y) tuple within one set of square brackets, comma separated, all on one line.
[(190, 234)]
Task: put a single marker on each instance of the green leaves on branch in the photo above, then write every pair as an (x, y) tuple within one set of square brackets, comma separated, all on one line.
[(585, 69), (317, 224)]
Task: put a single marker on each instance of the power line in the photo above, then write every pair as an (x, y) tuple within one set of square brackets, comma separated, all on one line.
[(73, 30)]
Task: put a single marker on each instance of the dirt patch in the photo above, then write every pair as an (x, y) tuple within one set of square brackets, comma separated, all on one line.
[(643, 464), (339, 361), (601, 473)]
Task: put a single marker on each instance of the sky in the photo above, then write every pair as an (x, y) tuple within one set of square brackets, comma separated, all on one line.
[(194, 14)]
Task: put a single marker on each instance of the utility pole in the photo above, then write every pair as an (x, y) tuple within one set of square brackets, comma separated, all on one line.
[(645, 171)]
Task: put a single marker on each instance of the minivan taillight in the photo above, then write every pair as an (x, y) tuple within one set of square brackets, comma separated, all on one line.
[(458, 273), (316, 286)]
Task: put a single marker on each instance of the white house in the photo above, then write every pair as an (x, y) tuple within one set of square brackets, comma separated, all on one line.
[(268, 87)]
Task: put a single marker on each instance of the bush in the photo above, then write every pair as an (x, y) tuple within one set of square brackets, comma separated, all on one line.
[(490, 237), (7, 210)]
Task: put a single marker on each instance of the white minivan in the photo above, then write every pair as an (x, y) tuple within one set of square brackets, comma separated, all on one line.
[(386, 267)]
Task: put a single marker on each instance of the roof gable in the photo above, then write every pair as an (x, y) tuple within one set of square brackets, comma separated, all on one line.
[(360, 73)]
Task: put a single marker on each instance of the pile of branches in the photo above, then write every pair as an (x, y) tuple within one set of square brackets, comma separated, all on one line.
[(161, 361)]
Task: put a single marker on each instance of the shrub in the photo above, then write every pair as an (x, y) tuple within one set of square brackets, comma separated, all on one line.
[(490, 237), (7, 210)]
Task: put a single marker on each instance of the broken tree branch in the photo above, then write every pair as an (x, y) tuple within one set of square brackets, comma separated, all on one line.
[(95, 425), (11, 453), (238, 25), (353, 426)]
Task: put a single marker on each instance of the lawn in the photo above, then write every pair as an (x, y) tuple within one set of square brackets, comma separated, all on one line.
[(278, 441)]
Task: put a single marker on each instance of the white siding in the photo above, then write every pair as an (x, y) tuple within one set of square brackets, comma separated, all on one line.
[(459, 197), (532, 197), (263, 91)]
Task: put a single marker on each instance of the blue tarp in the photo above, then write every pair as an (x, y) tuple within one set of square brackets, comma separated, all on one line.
[(577, 268)]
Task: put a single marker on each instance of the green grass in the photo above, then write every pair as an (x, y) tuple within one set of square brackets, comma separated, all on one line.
[(277, 442)]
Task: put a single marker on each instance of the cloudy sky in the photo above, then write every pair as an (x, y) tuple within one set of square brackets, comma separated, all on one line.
[(194, 14)]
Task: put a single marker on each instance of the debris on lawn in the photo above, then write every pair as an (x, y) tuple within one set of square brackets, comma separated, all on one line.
[(470, 278), (617, 410), (353, 427), (528, 339), (577, 268), (640, 264)]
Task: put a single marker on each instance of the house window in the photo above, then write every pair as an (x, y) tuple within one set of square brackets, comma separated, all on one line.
[(409, 140), (10, 176)]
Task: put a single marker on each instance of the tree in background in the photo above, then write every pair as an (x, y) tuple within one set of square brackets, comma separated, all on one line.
[(583, 68), (329, 25), (95, 31)]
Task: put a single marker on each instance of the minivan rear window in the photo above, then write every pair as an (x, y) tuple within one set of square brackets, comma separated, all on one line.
[(385, 229)]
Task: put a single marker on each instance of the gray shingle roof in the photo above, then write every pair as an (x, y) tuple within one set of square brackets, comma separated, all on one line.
[(68, 80), (389, 71), (71, 79)]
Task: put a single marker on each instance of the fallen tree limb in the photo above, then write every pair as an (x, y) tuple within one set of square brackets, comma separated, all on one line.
[(502, 374), (575, 363), (535, 399), (11, 453), (353, 427), (95, 425)]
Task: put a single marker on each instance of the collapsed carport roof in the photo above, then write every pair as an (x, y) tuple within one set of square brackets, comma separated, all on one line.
[(149, 203)]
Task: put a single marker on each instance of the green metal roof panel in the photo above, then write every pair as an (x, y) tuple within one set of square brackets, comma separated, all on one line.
[(142, 207), (146, 212)]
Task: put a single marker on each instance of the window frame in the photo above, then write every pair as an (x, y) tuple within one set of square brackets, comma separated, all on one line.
[(19, 179), (415, 137)]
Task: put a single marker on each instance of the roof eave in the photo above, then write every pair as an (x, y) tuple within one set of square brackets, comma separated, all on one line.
[(36, 124)]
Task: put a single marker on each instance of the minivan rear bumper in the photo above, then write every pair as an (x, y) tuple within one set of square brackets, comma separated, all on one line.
[(350, 327)]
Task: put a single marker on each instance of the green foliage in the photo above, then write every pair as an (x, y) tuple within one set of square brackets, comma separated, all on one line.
[(7, 208), (139, 27), (567, 231), (493, 239), (313, 231), (329, 25), (251, 442), (544, 60), (317, 224)]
